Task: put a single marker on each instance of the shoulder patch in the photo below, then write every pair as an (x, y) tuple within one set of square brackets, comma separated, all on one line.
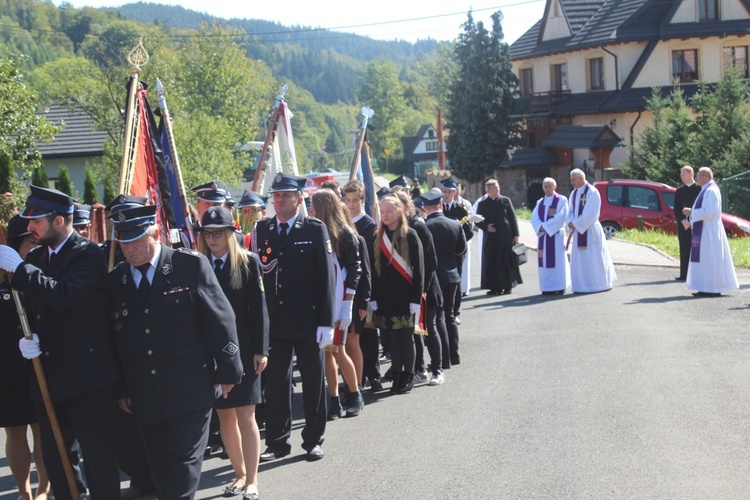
[(188, 251)]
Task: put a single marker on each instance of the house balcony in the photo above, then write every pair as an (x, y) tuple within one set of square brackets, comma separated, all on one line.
[(546, 102)]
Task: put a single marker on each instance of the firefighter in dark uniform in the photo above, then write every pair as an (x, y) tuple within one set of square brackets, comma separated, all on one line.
[(296, 258), (450, 246), (177, 344), (65, 283)]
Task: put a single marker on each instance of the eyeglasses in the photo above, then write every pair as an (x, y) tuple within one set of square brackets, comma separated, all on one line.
[(214, 234)]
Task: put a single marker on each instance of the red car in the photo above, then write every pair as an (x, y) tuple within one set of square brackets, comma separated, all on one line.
[(623, 200)]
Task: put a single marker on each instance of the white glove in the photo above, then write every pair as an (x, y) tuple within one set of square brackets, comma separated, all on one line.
[(345, 315), (9, 259), (30, 347), (414, 309), (324, 336), (373, 305)]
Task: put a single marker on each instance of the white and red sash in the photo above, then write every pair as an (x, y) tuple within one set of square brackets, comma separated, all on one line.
[(398, 262)]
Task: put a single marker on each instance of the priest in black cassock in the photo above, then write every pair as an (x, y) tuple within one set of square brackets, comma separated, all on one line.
[(500, 272)]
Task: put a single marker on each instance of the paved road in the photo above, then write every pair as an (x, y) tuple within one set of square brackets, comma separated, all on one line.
[(640, 392)]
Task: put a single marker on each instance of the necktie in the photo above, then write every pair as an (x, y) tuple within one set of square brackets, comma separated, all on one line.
[(144, 287), (282, 231), (217, 266)]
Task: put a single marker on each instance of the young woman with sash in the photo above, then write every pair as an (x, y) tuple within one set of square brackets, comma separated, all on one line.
[(327, 206), (239, 275), (397, 288)]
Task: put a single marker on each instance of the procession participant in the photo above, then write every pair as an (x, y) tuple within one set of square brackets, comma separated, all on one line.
[(363, 343), (333, 186), (297, 263), (82, 219), (238, 273), (16, 406), (210, 194), (500, 272), (711, 270), (548, 220), (455, 208), (591, 268), (327, 206), (450, 244), (416, 189), (177, 344), (432, 297), (64, 281), (252, 208), (684, 198), (397, 288)]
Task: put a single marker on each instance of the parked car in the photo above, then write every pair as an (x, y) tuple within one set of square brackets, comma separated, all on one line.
[(624, 200)]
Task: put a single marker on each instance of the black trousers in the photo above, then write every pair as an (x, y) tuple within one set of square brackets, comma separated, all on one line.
[(457, 304), (175, 451), (88, 421), (435, 316), (279, 392), (450, 349), (684, 236), (368, 342), (402, 350), (132, 456)]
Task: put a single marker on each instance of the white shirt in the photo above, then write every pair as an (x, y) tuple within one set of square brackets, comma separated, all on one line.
[(151, 270)]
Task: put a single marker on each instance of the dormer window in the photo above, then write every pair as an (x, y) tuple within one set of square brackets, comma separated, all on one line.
[(685, 65), (708, 10)]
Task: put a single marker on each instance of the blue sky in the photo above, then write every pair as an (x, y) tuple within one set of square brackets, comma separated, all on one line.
[(389, 19)]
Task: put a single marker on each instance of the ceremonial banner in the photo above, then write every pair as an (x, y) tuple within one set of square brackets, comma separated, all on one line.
[(366, 175), (171, 175)]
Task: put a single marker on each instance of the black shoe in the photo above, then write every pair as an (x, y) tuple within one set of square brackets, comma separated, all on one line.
[(506, 292), (356, 403), (376, 386), (135, 491), (406, 384), (465, 294), (680, 278), (706, 294), (334, 409), (396, 382), (494, 292), (315, 454), (271, 454)]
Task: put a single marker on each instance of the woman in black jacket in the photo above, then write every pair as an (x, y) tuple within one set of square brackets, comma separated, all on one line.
[(397, 286), (327, 207), (239, 275)]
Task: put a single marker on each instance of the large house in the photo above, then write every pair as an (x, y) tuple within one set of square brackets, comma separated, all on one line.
[(587, 67), (421, 150)]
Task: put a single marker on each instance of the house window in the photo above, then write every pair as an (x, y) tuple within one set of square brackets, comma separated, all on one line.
[(431, 133), (527, 82), (708, 10), (685, 65), (596, 73), (431, 145), (559, 77), (737, 57)]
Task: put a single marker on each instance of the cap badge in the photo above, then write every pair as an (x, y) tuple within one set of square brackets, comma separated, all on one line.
[(121, 199), (213, 215), (278, 178), (121, 217), (214, 187)]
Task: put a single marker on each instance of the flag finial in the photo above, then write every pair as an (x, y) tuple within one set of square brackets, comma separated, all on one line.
[(138, 57)]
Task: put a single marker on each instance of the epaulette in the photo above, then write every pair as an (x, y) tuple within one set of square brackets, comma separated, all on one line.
[(119, 265), (314, 220), (188, 251)]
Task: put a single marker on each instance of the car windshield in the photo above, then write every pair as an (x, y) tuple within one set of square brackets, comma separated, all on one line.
[(668, 198)]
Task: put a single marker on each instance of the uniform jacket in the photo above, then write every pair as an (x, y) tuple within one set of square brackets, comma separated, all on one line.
[(366, 228), (180, 342), (69, 304), (450, 243), (350, 259), (459, 211), (429, 260), (298, 276), (249, 306)]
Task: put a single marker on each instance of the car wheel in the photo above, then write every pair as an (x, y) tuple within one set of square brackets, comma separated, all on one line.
[(610, 229)]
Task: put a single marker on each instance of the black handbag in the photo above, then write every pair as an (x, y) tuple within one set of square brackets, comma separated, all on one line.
[(519, 253)]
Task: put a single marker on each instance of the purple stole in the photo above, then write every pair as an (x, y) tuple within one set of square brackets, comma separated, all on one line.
[(695, 243), (549, 244), (583, 238)]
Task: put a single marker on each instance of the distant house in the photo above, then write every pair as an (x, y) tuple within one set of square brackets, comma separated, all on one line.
[(77, 144), (421, 148), (586, 69)]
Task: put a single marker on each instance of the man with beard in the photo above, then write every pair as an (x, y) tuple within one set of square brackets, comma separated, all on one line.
[(65, 283)]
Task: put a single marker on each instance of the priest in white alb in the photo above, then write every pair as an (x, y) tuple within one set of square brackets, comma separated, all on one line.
[(591, 268), (548, 219), (711, 269)]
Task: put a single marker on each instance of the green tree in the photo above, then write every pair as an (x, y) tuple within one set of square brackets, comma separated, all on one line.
[(39, 177), (90, 195), (110, 192), (482, 100), (7, 176), (64, 183), (382, 91)]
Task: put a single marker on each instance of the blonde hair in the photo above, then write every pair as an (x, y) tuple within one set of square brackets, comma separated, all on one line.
[(237, 260), (399, 242), (328, 208)]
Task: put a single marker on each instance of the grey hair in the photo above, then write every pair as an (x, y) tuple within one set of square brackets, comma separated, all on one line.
[(550, 180), (577, 172)]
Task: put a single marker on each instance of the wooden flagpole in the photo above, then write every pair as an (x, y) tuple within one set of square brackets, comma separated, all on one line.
[(176, 162), (367, 112), (138, 57), (260, 169), (44, 390)]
